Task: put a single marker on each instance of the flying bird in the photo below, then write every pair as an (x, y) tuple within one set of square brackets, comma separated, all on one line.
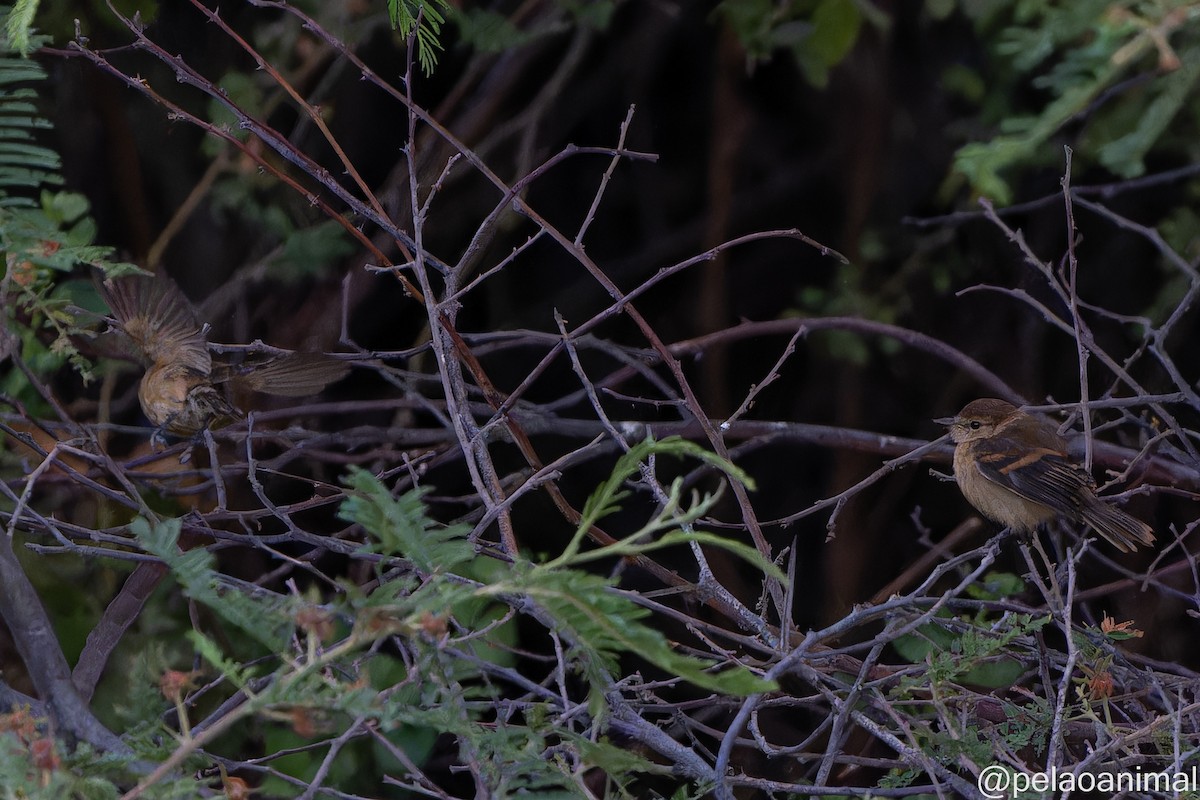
[(184, 389)]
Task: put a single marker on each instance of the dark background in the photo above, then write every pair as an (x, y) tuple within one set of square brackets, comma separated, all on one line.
[(742, 145)]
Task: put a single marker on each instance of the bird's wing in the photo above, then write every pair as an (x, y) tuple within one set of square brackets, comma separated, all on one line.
[(156, 316), (1043, 474), (295, 375)]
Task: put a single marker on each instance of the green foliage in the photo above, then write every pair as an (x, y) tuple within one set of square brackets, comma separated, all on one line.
[(1076, 53), (1026, 725), (24, 164), (855, 291), (834, 30), (977, 655), (302, 248), (18, 27), (449, 612), (34, 766), (600, 623), (44, 233), (1123, 150), (818, 33), (425, 18), (261, 616), (141, 708), (605, 500), (996, 586), (490, 31), (595, 14), (603, 625), (243, 90), (978, 652), (399, 526), (311, 250)]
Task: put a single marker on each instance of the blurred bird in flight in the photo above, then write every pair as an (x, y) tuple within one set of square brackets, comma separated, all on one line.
[(184, 389)]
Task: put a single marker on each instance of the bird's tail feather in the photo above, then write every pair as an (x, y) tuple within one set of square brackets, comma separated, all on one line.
[(1125, 531)]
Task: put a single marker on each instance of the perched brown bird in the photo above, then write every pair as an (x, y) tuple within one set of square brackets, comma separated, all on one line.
[(1014, 468), (182, 390)]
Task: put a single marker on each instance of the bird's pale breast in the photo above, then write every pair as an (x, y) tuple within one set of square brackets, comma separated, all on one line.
[(994, 501)]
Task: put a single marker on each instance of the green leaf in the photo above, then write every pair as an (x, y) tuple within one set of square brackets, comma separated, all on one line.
[(210, 651), (819, 34), (595, 14), (399, 526), (615, 759), (425, 18), (65, 208), (997, 586), (1125, 155), (311, 251), (602, 624), (264, 617), (829, 38), (604, 500), (751, 21), (489, 31), (973, 656), (19, 71), (19, 26), (242, 90), (1076, 53)]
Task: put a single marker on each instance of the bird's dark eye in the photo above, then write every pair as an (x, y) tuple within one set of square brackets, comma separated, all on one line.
[(976, 424)]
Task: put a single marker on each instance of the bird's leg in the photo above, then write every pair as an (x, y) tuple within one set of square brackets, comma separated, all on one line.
[(201, 437), (158, 439), (1024, 537), (941, 476)]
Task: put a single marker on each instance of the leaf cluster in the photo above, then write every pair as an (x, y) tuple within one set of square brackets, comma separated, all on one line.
[(1078, 55), (818, 34), (422, 19), (976, 652), (428, 645), (44, 232)]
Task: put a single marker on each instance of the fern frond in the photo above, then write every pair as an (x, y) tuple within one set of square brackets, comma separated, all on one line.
[(18, 27), (25, 164), (399, 526), (427, 18), (265, 617)]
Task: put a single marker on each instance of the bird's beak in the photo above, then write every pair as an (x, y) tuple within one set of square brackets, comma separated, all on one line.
[(947, 421)]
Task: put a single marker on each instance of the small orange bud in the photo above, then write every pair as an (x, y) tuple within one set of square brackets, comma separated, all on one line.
[(44, 755), (23, 273), (1100, 686), (433, 625), (303, 723), (21, 722), (174, 683), (236, 789), (316, 622)]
